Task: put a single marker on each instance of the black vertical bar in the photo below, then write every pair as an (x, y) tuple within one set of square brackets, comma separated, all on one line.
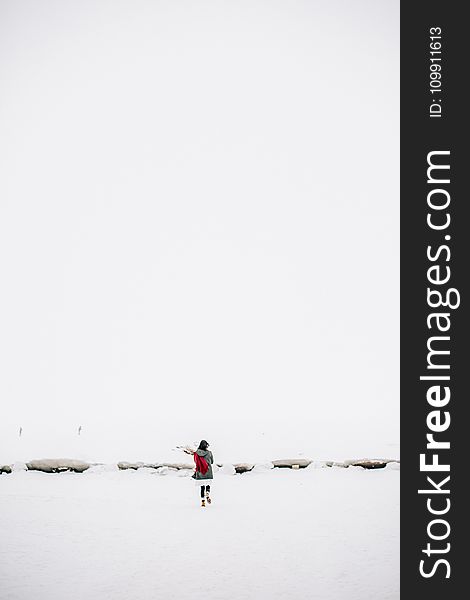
[(421, 134)]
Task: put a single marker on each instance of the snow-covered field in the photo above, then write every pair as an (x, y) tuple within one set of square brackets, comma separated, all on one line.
[(314, 533)]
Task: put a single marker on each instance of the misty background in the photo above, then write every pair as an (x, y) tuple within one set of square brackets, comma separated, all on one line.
[(199, 228)]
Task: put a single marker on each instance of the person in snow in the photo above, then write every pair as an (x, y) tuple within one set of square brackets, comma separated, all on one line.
[(203, 473)]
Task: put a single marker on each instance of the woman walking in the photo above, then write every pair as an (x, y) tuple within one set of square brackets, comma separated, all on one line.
[(203, 474)]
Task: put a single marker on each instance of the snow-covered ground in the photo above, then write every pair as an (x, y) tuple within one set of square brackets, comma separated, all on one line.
[(320, 534)]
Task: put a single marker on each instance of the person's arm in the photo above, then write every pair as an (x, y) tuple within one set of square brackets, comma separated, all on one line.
[(211, 457)]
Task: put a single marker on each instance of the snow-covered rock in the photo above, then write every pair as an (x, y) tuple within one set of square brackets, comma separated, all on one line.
[(123, 465), (369, 463), (5, 469), (243, 467), (162, 471), (57, 465), (291, 463)]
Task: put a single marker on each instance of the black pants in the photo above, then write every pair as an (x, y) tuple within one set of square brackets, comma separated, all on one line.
[(205, 488)]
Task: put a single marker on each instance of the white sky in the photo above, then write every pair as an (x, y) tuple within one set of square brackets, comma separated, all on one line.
[(199, 212)]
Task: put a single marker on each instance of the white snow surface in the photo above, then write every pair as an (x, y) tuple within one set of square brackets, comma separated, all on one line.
[(320, 534)]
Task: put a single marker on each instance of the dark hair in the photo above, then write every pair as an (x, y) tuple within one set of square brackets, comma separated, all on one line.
[(203, 445)]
